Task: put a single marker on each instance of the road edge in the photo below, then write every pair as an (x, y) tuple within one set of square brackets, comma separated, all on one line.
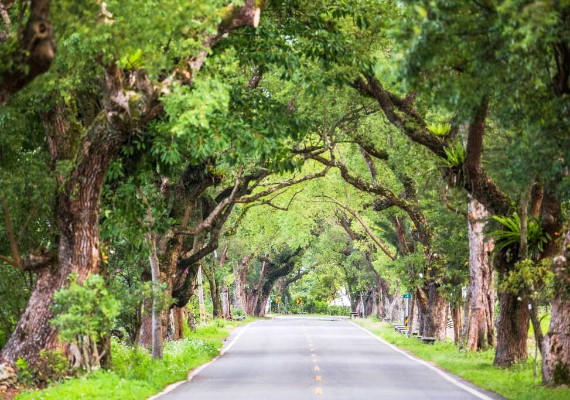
[(199, 369), (444, 374)]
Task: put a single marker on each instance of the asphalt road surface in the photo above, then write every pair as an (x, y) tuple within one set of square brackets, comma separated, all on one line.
[(317, 358)]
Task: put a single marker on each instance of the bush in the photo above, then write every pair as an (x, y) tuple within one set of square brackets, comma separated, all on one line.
[(319, 307), (238, 312), (131, 362), (52, 366), (84, 314)]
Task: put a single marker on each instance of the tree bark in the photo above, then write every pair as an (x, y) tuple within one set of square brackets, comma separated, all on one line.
[(214, 291), (512, 330), (179, 317), (156, 308), (434, 312), (556, 345), (240, 282), (226, 306), (479, 310), (457, 323), (145, 331)]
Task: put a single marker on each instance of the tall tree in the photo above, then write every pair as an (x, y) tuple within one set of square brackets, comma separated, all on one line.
[(86, 142)]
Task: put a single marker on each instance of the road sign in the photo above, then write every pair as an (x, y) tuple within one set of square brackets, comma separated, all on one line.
[(407, 296)]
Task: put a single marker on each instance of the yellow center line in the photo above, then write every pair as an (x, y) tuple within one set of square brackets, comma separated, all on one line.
[(318, 390), (318, 378)]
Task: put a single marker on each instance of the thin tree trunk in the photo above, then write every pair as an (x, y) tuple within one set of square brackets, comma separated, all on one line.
[(214, 290), (412, 303), (226, 306), (457, 328), (156, 309)]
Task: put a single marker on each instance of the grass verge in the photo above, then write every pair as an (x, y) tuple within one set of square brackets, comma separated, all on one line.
[(135, 375), (515, 383)]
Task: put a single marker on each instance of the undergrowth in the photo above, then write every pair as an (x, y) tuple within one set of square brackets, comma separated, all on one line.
[(515, 383), (135, 375)]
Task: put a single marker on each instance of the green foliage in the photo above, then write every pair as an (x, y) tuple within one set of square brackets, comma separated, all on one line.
[(456, 53), (528, 275), (439, 129), (313, 306), (455, 156), (509, 237), (25, 374)]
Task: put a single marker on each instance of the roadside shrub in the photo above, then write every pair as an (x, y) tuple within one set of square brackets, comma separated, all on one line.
[(238, 312), (52, 366), (131, 362), (84, 313)]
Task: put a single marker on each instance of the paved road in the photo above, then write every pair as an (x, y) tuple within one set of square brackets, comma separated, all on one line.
[(317, 358)]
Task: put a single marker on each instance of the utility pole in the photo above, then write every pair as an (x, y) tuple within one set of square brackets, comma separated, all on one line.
[(201, 296)]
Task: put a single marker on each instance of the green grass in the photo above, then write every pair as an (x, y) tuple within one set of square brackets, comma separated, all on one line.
[(135, 375), (515, 383)]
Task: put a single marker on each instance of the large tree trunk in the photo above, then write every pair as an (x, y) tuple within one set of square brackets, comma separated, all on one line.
[(240, 282), (254, 294), (378, 309), (556, 344), (434, 312), (512, 330), (479, 308), (387, 300), (260, 307), (77, 217), (179, 319)]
